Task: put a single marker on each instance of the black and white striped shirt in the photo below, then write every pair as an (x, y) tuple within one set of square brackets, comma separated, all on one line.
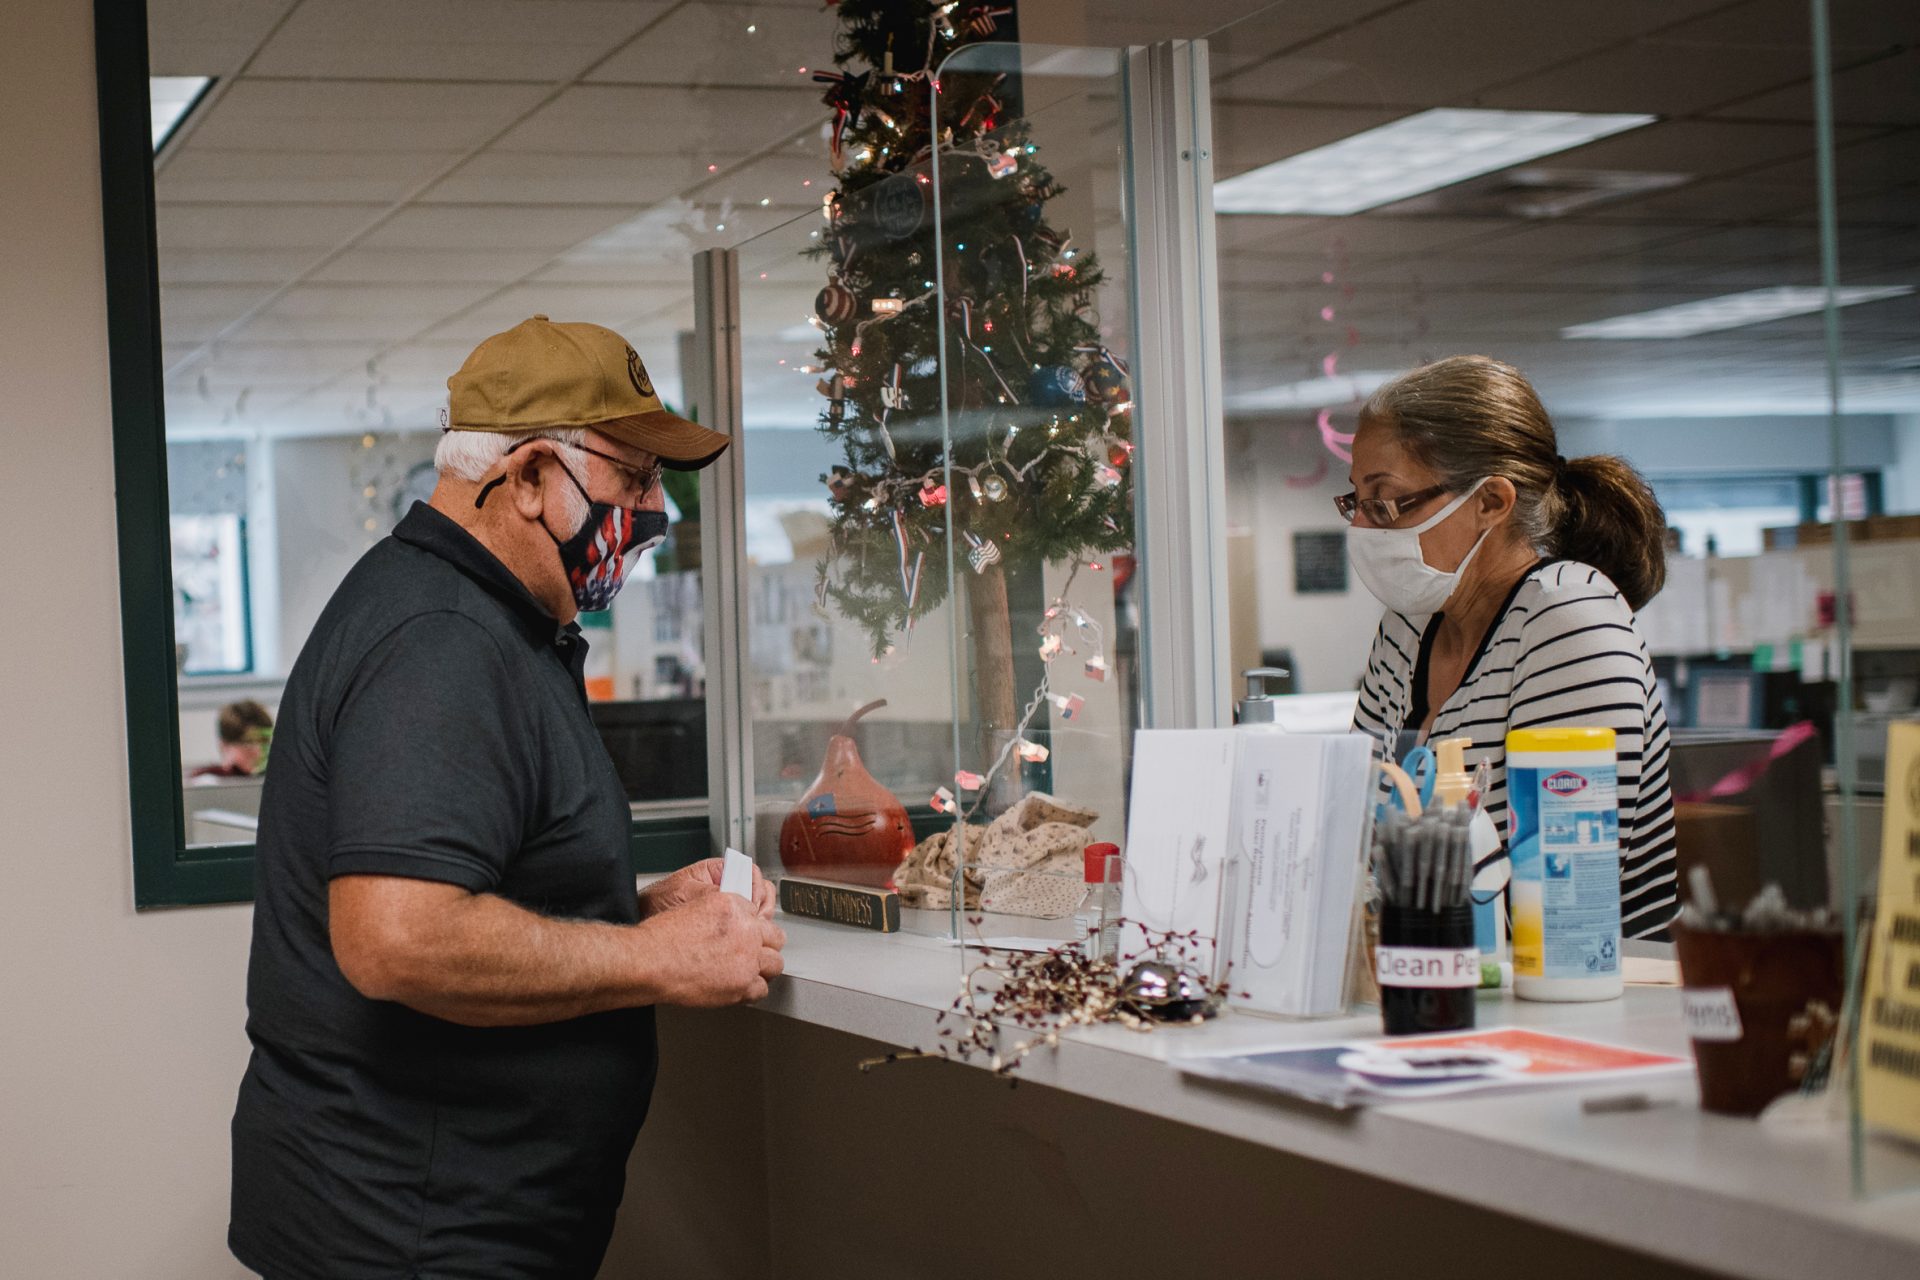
[(1563, 651)]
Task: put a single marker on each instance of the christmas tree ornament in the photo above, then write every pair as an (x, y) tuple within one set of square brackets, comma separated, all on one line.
[(839, 483), (836, 304), (941, 801), (1050, 646), (847, 826), (982, 19), (933, 495), (967, 780), (994, 488), (1096, 668), (982, 553), (837, 400), (1056, 386), (891, 393), (1002, 165), (973, 487), (1067, 704), (1031, 752), (899, 207), (1105, 476), (1105, 377), (888, 306)]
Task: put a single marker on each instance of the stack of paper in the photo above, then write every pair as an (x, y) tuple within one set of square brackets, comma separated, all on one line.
[(1251, 838), (1295, 865)]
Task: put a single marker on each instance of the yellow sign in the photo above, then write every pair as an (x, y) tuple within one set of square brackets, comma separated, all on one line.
[(1890, 1027)]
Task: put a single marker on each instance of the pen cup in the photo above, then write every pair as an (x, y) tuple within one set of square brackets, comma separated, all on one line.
[(1428, 968)]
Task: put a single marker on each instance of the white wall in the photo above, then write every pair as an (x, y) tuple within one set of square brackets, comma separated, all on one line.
[(1279, 479), (122, 1041), (1903, 477)]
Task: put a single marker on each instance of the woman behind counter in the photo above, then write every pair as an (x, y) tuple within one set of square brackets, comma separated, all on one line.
[(1510, 576)]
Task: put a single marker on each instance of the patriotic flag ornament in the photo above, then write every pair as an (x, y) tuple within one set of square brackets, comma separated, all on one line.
[(1096, 668), (984, 553), (942, 800), (1067, 704), (969, 781), (1031, 752)]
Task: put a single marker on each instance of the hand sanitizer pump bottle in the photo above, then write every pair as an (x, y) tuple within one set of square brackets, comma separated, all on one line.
[(1257, 707)]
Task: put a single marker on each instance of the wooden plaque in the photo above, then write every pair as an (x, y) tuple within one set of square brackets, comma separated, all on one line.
[(856, 905)]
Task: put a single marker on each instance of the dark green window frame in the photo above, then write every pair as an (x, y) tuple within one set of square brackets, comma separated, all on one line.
[(166, 872)]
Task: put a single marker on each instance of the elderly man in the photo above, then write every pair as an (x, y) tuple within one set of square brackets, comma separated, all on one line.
[(451, 987)]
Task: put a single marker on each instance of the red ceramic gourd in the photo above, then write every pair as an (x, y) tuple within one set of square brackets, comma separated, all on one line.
[(847, 827)]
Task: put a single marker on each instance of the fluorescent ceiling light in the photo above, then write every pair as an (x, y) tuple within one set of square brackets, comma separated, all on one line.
[(170, 98), (1732, 311), (1417, 154), (1316, 393)]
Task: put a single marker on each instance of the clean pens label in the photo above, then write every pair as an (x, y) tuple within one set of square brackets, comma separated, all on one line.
[(1427, 966)]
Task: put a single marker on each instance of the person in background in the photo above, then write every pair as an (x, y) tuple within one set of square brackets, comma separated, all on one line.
[(1510, 576), (246, 730)]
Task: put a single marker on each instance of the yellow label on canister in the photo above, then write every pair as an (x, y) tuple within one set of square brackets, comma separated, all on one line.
[(1560, 740)]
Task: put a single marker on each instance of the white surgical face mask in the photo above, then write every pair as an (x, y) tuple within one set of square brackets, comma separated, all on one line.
[(1390, 563)]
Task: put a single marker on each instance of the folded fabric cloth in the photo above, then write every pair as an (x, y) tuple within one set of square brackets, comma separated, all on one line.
[(1025, 862)]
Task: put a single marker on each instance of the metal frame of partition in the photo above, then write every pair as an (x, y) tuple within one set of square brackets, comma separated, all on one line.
[(715, 382), (1181, 480)]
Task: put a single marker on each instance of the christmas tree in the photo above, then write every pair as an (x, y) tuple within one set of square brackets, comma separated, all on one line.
[(1034, 469)]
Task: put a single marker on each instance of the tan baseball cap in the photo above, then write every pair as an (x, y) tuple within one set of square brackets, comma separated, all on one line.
[(540, 374)]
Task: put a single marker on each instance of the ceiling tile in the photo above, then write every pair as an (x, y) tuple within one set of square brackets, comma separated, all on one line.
[(207, 37), (205, 174), (431, 266), (710, 124), (521, 227), (259, 226), (710, 44), (321, 115), (538, 40)]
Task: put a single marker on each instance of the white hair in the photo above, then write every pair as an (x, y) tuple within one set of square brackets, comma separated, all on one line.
[(470, 455)]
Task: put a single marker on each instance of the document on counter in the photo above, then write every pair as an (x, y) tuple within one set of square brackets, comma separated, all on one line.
[(1357, 1073), (1178, 822), (1299, 814)]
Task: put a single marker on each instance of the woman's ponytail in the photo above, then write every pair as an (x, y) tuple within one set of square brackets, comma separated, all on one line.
[(1609, 518)]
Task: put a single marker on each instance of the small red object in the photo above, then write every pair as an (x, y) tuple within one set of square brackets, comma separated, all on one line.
[(1094, 861)]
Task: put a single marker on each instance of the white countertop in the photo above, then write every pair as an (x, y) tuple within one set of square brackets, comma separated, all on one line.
[(1725, 1194)]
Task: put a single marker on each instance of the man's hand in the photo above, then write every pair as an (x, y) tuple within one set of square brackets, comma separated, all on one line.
[(696, 881), (712, 950)]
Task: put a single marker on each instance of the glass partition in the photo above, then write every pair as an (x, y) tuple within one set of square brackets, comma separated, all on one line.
[(347, 202), (1864, 568), (940, 508), (1627, 206), (1028, 362), (851, 710)]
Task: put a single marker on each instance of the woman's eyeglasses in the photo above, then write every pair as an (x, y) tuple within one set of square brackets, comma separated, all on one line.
[(1383, 511)]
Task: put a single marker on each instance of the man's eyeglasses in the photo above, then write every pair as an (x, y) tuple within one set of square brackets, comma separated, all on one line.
[(638, 481), (1383, 511)]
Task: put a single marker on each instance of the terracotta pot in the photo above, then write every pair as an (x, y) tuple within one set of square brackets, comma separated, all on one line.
[(847, 827), (1785, 991)]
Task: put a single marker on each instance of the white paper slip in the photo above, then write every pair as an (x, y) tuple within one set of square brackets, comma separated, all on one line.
[(736, 875), (1177, 829)]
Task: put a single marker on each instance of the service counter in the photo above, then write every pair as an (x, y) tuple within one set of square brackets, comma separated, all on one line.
[(1118, 1161)]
